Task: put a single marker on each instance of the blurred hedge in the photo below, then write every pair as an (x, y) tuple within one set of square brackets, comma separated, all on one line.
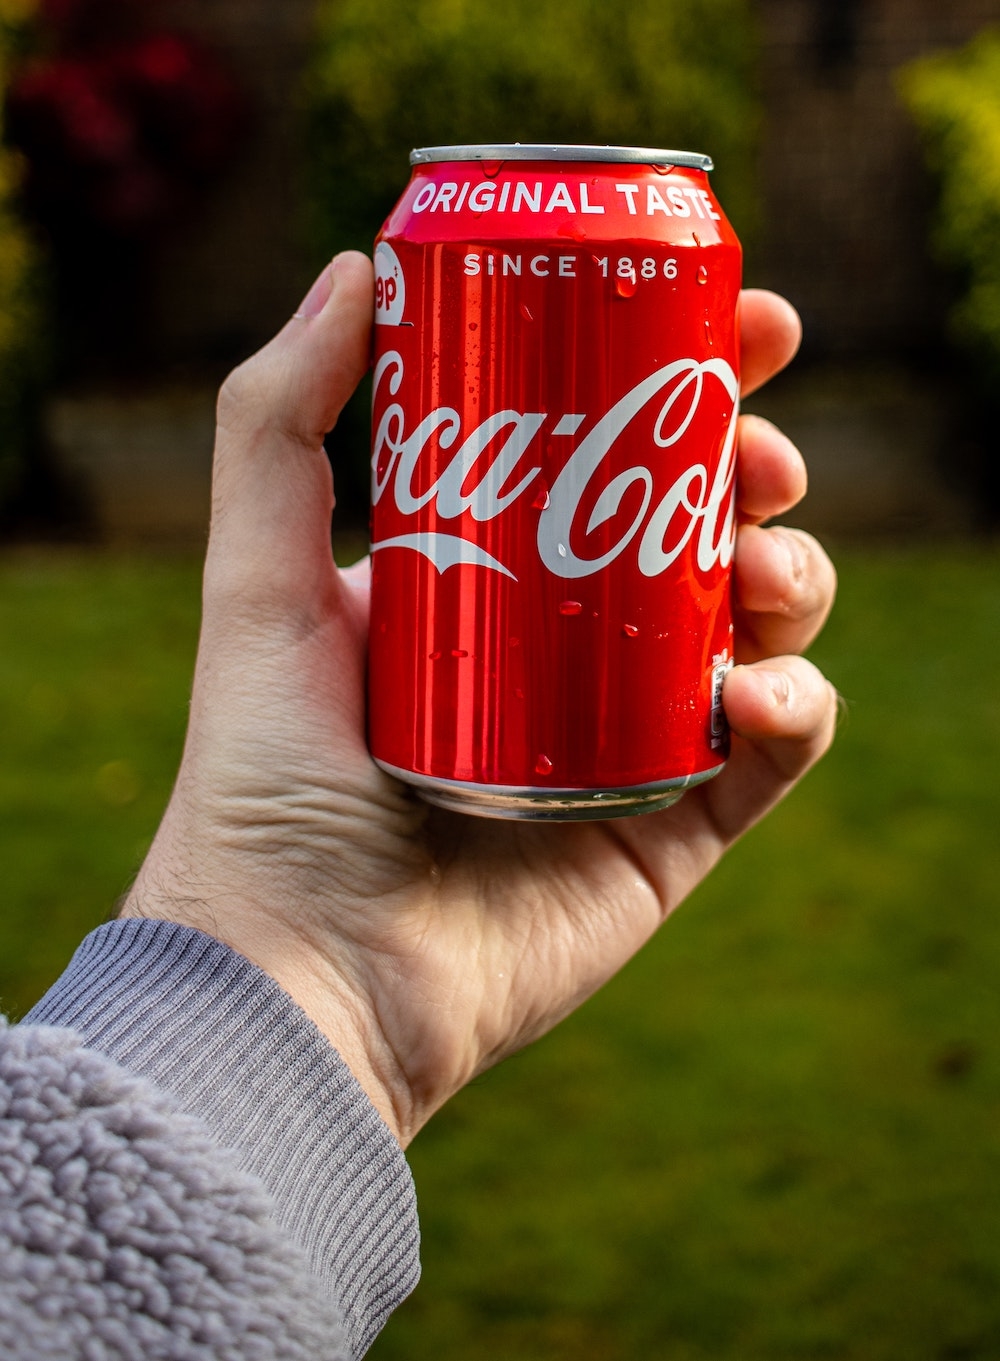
[(955, 100), (395, 74), (19, 337)]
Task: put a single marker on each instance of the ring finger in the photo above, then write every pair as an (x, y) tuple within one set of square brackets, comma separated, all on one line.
[(784, 588)]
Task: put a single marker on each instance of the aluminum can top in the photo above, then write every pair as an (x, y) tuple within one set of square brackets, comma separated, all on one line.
[(536, 151)]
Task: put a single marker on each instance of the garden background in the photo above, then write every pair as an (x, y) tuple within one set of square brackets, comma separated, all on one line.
[(777, 1133)]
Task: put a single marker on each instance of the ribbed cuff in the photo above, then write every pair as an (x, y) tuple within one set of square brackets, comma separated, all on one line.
[(221, 1036)]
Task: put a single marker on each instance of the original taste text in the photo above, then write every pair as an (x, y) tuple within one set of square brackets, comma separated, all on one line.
[(582, 198)]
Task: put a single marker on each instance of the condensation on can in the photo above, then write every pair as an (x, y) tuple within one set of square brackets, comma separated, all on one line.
[(553, 471)]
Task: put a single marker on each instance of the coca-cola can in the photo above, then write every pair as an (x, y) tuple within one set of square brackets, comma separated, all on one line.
[(556, 390)]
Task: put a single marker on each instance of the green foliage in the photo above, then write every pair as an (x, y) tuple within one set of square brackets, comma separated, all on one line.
[(776, 1135), (396, 74), (955, 99), (19, 341)]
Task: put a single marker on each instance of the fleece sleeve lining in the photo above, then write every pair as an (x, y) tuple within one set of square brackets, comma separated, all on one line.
[(230, 1046), (127, 1232)]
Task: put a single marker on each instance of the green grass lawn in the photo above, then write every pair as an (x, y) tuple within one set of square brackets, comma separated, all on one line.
[(777, 1133)]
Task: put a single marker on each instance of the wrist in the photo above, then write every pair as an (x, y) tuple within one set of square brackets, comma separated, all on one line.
[(328, 997)]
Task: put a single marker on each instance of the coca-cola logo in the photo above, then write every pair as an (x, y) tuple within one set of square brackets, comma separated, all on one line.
[(697, 509)]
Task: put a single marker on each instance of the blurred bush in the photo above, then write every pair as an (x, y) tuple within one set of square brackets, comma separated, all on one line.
[(20, 342), (404, 73), (955, 100), (123, 124), (122, 120)]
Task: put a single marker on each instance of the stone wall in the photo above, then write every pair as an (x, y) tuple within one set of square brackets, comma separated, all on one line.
[(844, 231)]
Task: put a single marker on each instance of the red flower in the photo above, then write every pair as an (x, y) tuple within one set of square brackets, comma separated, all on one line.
[(120, 126), (61, 109)]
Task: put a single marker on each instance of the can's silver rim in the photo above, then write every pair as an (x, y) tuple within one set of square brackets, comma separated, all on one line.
[(531, 803), (537, 151)]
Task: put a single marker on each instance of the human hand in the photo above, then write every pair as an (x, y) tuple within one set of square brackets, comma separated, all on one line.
[(427, 945)]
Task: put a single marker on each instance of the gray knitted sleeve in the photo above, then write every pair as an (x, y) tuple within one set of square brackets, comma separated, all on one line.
[(227, 1045)]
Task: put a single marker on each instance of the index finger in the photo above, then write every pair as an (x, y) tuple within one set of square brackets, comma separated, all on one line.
[(770, 334)]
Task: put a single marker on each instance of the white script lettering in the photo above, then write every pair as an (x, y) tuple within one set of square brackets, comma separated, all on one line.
[(698, 506)]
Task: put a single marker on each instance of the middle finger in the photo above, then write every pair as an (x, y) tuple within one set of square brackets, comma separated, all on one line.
[(772, 472)]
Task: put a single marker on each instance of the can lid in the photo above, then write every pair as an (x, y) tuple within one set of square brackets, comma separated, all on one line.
[(533, 151)]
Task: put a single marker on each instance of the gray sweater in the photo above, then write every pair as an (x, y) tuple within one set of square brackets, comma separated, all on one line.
[(188, 1170)]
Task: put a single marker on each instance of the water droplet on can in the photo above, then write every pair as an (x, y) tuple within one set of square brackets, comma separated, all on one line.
[(459, 652), (436, 656), (630, 630), (571, 607), (541, 501), (574, 231), (525, 311), (473, 325), (702, 275), (625, 288), (543, 766), (561, 549)]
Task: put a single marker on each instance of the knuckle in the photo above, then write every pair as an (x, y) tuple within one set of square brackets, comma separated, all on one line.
[(240, 396)]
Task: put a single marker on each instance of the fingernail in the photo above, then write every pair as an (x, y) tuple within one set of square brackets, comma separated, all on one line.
[(777, 683), (798, 562), (316, 299)]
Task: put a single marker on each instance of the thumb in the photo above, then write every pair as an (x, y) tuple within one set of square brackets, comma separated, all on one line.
[(298, 383), (272, 489)]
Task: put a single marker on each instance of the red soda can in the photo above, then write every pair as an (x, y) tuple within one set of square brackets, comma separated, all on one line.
[(556, 391)]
